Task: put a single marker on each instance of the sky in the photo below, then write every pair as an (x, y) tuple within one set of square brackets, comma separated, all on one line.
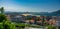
[(30, 5)]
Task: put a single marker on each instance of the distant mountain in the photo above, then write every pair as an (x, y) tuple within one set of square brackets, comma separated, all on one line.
[(33, 13), (56, 13)]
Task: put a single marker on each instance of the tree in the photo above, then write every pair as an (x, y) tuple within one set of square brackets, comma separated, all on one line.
[(2, 17), (4, 23), (8, 25), (2, 10)]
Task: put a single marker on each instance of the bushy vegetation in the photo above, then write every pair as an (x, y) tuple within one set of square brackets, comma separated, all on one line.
[(51, 27), (5, 24), (58, 27), (2, 17), (21, 25)]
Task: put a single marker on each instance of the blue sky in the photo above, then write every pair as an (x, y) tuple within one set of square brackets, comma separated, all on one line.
[(30, 5)]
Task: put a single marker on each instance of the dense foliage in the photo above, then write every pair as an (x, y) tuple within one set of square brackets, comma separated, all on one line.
[(5, 24), (51, 27), (2, 17)]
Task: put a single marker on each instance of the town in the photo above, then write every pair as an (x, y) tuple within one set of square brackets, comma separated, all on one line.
[(34, 19), (30, 19)]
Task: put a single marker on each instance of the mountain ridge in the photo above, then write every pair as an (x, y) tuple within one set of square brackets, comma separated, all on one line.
[(55, 13)]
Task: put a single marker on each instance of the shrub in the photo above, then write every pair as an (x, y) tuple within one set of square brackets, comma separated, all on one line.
[(2, 17), (59, 27), (51, 27)]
